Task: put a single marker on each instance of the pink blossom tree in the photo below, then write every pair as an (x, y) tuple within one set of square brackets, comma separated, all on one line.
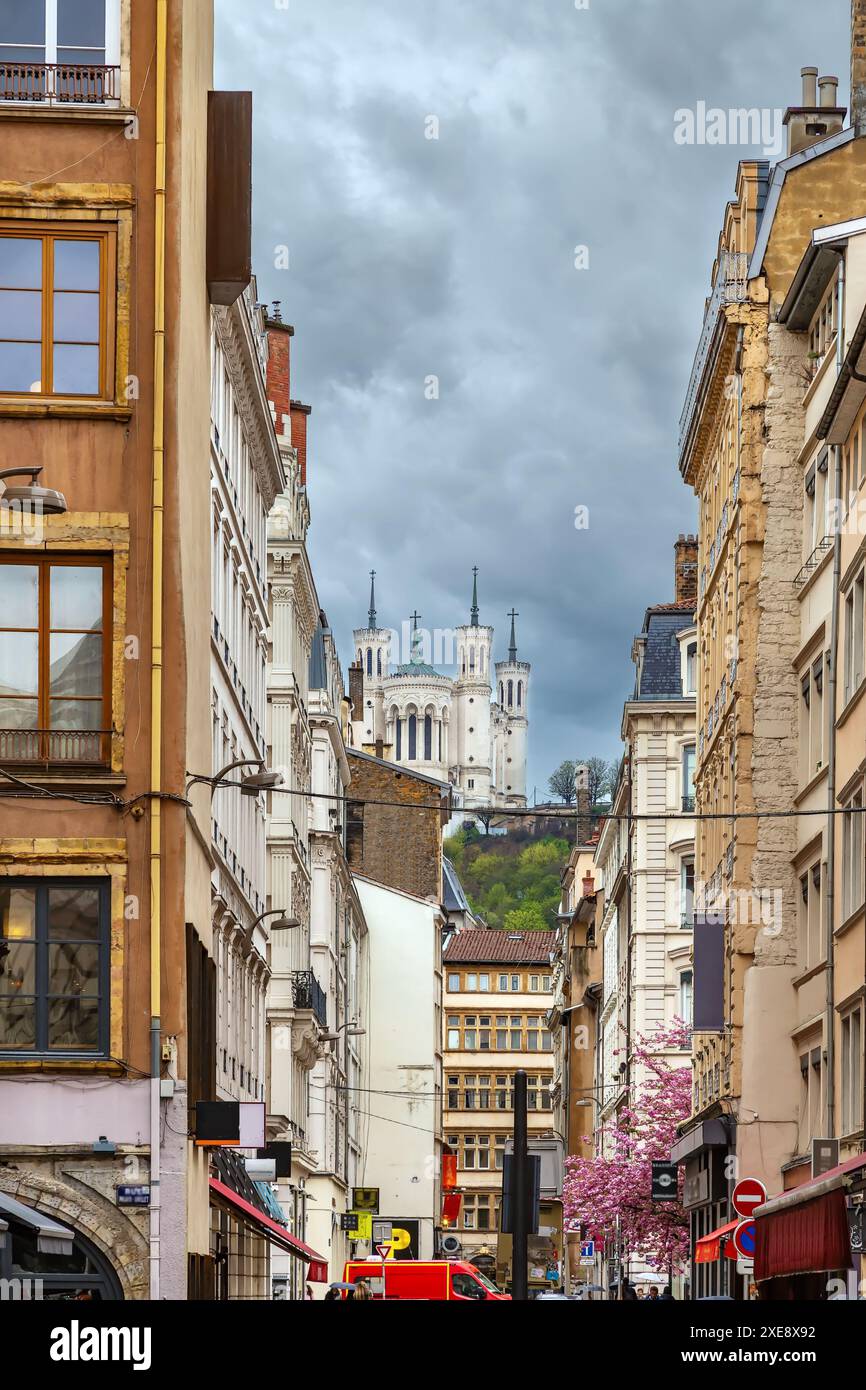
[(597, 1191)]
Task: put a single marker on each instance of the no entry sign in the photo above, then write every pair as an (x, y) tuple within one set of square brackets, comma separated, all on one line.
[(748, 1194), (744, 1240)]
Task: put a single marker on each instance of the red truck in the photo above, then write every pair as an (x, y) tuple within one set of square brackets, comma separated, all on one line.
[(424, 1279)]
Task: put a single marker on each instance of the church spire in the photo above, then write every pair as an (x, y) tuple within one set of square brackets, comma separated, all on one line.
[(474, 616), (371, 616), (512, 645)]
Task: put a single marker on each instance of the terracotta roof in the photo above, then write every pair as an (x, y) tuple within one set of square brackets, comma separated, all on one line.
[(490, 945)]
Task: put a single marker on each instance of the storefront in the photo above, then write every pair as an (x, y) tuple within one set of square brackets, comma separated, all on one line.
[(246, 1223), (704, 1151), (809, 1240)]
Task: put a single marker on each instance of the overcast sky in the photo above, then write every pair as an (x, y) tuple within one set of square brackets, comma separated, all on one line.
[(454, 258)]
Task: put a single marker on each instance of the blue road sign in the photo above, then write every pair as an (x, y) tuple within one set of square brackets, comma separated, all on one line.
[(745, 1239)]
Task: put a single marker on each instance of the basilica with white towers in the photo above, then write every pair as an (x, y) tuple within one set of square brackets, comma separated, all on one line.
[(468, 728)]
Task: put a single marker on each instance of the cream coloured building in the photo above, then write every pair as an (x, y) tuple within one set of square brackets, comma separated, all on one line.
[(498, 994)]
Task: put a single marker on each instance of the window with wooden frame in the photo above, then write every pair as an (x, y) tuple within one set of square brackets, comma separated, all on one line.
[(60, 51), (476, 1091), (57, 310), (55, 659), (851, 1040), (54, 966)]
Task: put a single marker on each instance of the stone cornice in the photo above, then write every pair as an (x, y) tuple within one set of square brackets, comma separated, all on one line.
[(243, 368)]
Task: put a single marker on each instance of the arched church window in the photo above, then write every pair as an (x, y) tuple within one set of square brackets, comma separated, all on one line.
[(428, 738), (379, 661), (399, 727), (471, 659), (519, 694), (501, 693), (440, 740), (413, 738), (481, 660), (511, 692), (369, 661)]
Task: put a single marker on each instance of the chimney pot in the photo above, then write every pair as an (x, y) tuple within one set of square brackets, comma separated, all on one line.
[(828, 87), (810, 93)]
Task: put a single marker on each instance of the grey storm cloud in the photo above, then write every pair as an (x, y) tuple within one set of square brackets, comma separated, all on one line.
[(412, 257)]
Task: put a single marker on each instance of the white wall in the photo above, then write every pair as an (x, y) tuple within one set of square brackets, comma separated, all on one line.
[(403, 1139)]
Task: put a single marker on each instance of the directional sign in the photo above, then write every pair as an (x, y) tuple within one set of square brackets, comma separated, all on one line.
[(381, 1232), (745, 1239), (748, 1194), (587, 1252)]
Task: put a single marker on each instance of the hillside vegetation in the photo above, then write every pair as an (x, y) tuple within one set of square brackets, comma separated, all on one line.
[(512, 881)]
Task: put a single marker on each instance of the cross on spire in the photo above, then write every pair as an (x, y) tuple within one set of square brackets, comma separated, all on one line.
[(512, 645), (417, 650), (371, 616), (474, 615)]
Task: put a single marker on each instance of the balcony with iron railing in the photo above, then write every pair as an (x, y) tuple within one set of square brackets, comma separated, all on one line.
[(730, 287), (806, 570), (60, 84), (307, 993), (50, 747)]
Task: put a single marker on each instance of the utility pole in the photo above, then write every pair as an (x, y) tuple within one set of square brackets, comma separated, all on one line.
[(520, 1194)]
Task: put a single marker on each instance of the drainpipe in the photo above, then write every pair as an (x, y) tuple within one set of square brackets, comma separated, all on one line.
[(830, 1024), (830, 973), (159, 237)]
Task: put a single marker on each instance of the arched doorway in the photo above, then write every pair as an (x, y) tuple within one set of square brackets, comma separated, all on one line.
[(82, 1275)]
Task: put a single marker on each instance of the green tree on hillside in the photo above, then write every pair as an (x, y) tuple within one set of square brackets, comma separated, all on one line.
[(511, 883)]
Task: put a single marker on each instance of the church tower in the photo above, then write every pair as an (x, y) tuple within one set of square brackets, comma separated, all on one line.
[(372, 654), (473, 742), (512, 693)]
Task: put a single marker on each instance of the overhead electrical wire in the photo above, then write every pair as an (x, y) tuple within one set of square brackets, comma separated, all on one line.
[(108, 799)]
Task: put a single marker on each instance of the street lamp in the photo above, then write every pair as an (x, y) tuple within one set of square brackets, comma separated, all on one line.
[(283, 922), (44, 500), (351, 1030), (251, 783)]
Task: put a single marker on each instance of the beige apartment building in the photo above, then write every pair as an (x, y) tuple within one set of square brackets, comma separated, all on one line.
[(766, 1015), (498, 994), (105, 641)]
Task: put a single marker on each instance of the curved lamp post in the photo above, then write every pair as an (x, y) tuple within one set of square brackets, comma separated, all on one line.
[(45, 500), (283, 922), (250, 784)]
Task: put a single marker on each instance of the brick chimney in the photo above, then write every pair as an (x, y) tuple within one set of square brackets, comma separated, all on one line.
[(583, 805), (279, 373), (817, 116), (858, 66), (356, 690), (300, 415), (686, 570)]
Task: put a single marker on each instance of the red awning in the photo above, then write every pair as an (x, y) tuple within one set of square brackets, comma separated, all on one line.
[(709, 1247), (276, 1234), (808, 1237)]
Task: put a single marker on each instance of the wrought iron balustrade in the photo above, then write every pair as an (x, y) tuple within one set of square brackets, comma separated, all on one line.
[(60, 84), (44, 747), (307, 993)]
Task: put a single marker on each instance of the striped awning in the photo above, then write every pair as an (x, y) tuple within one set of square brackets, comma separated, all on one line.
[(51, 1237)]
